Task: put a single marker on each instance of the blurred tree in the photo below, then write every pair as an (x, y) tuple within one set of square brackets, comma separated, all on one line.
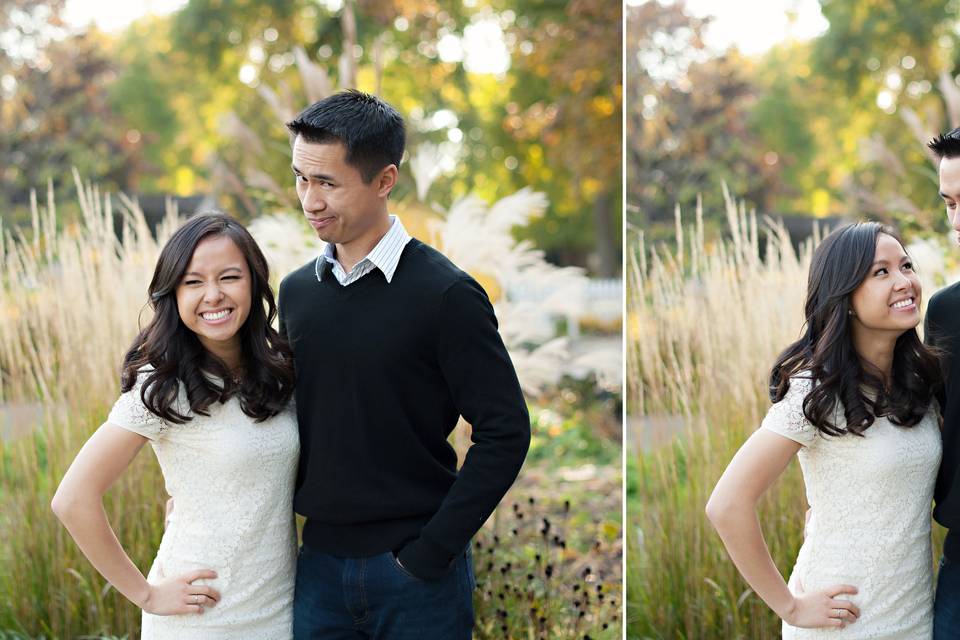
[(197, 100), (26, 26), (55, 115), (661, 41), (689, 126), (835, 125), (797, 119), (561, 76), (210, 28), (885, 58), (175, 99), (565, 117), (868, 36), (357, 44), (784, 121)]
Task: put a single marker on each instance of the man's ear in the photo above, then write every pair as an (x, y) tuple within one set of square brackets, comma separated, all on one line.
[(387, 180)]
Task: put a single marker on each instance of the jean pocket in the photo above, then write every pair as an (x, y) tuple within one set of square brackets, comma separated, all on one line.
[(395, 561), (471, 576)]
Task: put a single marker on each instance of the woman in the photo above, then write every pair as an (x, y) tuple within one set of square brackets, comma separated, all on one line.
[(208, 383), (853, 399)]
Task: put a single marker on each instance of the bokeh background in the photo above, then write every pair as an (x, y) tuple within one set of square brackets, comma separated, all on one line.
[(752, 128), (117, 123)]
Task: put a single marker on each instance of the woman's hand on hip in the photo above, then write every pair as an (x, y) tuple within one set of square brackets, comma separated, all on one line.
[(178, 595), (823, 608)]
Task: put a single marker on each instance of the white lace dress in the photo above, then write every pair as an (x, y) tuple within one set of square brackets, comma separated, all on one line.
[(232, 482), (870, 501)]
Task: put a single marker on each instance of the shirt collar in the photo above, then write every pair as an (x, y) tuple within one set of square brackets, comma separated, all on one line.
[(385, 255)]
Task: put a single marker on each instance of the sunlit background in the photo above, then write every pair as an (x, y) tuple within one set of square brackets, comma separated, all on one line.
[(753, 127), (118, 119), (188, 98), (803, 108)]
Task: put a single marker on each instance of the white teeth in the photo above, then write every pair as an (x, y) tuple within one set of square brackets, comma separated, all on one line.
[(903, 303), (216, 316)]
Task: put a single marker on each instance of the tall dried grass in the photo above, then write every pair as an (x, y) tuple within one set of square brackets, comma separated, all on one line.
[(67, 298)]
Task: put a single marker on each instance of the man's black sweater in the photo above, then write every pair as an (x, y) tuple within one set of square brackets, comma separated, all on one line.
[(384, 370), (942, 330)]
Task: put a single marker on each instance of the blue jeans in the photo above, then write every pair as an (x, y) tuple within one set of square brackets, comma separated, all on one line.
[(376, 599), (946, 603)]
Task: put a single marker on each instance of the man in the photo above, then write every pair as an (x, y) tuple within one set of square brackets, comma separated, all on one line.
[(942, 330), (392, 344)]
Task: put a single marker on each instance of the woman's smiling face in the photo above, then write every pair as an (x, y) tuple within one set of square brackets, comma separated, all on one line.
[(888, 299), (214, 295)]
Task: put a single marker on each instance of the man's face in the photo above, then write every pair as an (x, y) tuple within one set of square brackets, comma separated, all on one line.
[(336, 201), (950, 190)]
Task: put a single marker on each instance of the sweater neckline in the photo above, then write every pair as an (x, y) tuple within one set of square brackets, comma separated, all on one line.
[(328, 279)]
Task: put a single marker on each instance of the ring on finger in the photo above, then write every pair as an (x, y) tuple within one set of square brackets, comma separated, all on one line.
[(840, 612)]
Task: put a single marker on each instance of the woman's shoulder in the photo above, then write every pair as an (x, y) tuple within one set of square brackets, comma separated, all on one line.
[(132, 409), (799, 385), (131, 412), (786, 416), (146, 373)]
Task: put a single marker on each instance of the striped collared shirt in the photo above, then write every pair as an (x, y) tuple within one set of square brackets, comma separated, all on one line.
[(385, 256)]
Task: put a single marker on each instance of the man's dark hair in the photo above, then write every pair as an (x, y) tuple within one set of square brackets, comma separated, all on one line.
[(371, 130), (946, 145)]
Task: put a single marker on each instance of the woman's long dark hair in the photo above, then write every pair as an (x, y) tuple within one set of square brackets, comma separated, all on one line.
[(826, 351), (178, 357)]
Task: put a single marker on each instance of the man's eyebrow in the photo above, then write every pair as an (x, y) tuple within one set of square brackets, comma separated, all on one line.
[(945, 196), (317, 176)]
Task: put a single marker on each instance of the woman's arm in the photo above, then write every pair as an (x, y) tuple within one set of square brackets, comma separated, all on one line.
[(78, 503), (732, 510)]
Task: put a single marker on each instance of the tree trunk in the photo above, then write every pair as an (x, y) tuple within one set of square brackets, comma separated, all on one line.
[(607, 238)]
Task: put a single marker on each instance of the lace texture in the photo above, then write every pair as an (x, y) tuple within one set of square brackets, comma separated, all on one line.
[(232, 482), (870, 501), (130, 413)]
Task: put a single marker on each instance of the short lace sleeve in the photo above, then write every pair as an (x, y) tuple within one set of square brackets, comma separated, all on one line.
[(130, 413), (786, 417)]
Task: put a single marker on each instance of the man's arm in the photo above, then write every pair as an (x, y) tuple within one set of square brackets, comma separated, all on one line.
[(281, 325), (485, 390), (933, 338)]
